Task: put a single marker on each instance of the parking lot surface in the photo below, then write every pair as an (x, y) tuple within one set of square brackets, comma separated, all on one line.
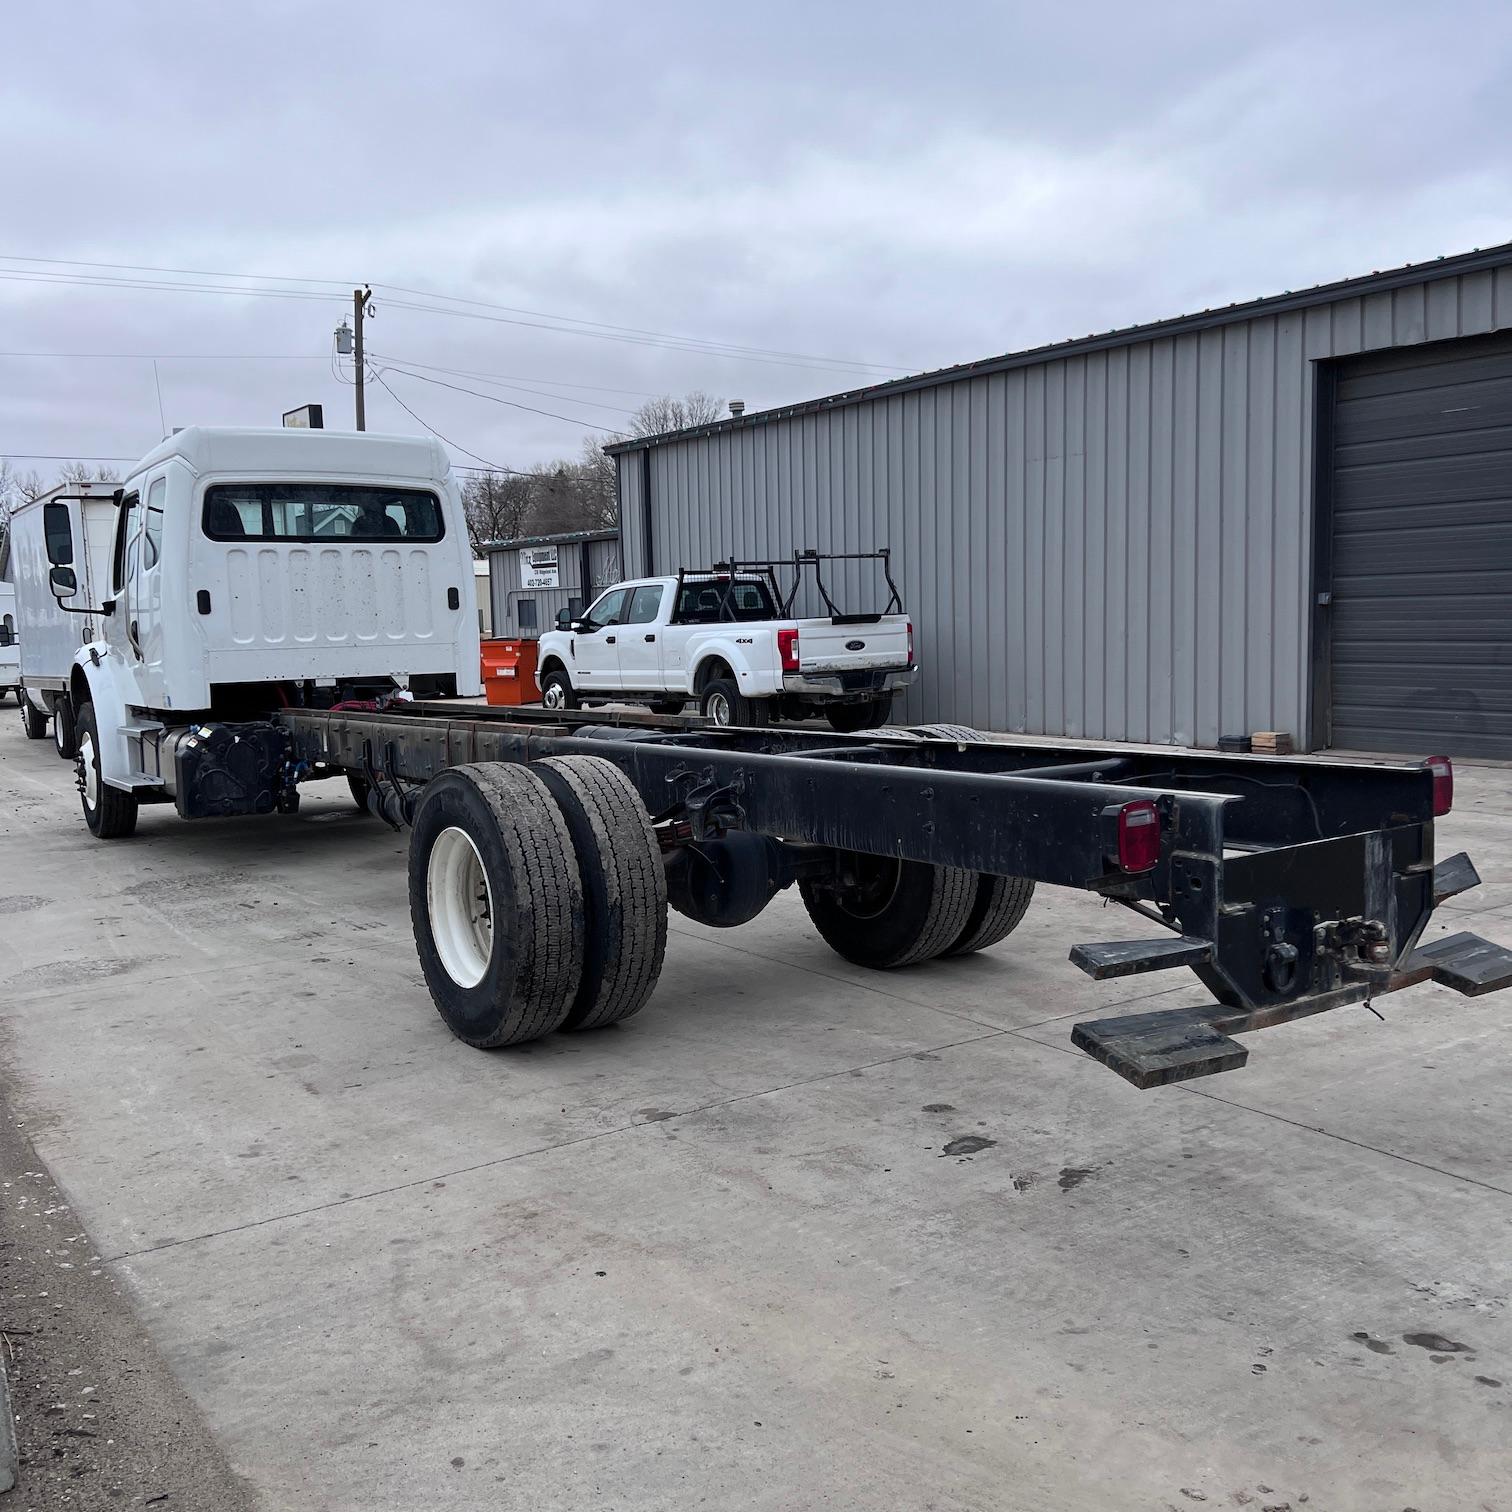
[(799, 1236)]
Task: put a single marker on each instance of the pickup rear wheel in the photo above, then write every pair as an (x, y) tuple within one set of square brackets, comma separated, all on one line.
[(724, 703), (624, 887), (496, 901), (109, 813), (33, 720), (1001, 903), (848, 718), (557, 691), (883, 912)]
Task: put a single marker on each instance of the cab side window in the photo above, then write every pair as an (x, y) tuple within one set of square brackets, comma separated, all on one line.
[(125, 542), (609, 610), (152, 524), (645, 604)]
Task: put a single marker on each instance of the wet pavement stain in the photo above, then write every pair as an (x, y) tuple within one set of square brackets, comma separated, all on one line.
[(938, 1108), (1380, 1346), (1072, 1177), (1487, 1381), (967, 1144), (1435, 1343)]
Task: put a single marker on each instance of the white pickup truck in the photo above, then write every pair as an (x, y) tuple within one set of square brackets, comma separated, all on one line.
[(725, 637)]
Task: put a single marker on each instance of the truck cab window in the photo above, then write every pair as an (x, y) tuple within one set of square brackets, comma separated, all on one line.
[(645, 605), (319, 512), (122, 560), (609, 610), (152, 525)]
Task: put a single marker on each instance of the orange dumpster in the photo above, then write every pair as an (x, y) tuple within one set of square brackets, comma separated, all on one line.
[(509, 672)]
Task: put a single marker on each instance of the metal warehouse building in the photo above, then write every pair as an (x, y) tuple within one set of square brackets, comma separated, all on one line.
[(1293, 514), (531, 577)]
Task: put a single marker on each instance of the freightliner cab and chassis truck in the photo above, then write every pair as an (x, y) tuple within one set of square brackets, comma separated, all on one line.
[(302, 577)]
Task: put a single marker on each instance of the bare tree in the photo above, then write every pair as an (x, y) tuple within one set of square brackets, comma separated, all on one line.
[(498, 507), (77, 474), (658, 416)]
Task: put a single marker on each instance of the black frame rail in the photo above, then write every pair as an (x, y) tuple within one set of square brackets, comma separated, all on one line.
[(1288, 885)]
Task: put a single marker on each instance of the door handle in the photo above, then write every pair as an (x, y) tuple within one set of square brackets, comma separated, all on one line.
[(650, 637), (608, 640)]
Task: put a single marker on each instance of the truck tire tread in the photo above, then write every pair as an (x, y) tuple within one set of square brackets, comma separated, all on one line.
[(929, 911), (114, 816), (527, 989), (33, 720), (999, 908), (624, 888)]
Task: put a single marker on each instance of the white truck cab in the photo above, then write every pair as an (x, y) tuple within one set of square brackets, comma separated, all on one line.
[(726, 637), (251, 570)]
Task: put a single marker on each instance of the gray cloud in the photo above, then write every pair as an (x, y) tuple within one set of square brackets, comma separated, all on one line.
[(906, 185)]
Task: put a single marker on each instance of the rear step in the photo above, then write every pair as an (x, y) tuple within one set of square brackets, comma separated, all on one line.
[(1117, 958), (1453, 876), (1176, 1044)]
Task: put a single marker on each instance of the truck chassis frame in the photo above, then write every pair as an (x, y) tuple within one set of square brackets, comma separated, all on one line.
[(1290, 886)]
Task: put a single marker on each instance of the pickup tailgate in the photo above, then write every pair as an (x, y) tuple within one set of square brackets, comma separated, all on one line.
[(827, 646)]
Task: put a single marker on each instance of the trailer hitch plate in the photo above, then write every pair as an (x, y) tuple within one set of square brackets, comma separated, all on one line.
[(1452, 876), (1462, 961), (1116, 958)]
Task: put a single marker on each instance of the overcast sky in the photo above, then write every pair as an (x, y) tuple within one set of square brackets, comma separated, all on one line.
[(890, 184)]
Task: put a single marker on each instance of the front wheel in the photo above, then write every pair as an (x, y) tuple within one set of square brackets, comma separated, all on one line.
[(109, 813), (557, 691), (33, 720)]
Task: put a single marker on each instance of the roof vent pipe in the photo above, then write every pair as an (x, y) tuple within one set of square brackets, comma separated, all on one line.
[(737, 407)]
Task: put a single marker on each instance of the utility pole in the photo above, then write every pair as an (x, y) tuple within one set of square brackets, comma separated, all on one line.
[(361, 298)]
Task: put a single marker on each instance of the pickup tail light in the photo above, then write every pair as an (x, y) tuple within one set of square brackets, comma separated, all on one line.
[(1443, 784), (910, 643), (1138, 836), (787, 649)]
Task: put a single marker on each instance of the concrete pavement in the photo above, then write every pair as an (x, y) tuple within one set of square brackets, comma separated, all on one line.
[(719, 1256)]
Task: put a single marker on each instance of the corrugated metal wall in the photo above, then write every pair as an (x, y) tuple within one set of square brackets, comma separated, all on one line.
[(1114, 545), (505, 588)]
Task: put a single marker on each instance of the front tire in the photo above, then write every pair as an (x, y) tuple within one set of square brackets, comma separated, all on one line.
[(65, 740), (892, 913), (109, 813), (557, 691), (33, 720), (496, 901)]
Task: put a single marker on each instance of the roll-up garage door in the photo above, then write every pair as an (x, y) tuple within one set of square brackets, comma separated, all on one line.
[(1421, 632)]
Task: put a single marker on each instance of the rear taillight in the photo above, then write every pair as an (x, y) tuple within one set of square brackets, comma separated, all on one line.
[(787, 649), (1443, 784), (1138, 836), (910, 643)]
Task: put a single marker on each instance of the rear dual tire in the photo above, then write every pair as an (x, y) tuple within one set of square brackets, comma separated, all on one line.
[(33, 720), (537, 898)]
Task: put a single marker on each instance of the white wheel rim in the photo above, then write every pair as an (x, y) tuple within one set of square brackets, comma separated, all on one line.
[(554, 697), (460, 904), (91, 776), (719, 709), (58, 732)]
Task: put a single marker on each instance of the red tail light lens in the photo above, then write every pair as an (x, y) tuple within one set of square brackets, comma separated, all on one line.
[(1138, 836), (787, 649), (1443, 784), (910, 643)]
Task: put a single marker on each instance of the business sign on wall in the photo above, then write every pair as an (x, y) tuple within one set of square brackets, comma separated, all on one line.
[(538, 567)]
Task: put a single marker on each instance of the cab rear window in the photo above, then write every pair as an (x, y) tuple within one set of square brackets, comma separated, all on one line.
[(320, 512)]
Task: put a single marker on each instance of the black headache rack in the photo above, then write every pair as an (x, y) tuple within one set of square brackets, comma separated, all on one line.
[(726, 575), (1289, 886)]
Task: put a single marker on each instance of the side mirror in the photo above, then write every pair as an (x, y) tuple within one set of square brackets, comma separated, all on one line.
[(63, 581), (57, 533), (564, 619)]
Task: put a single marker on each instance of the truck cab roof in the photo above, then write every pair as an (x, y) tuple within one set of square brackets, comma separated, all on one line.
[(249, 451)]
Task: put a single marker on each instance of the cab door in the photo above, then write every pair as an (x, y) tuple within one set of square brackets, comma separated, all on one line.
[(147, 593), (595, 647), (639, 639)]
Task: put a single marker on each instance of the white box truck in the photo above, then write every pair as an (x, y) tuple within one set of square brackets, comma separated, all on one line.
[(49, 635), (249, 571), (10, 650)]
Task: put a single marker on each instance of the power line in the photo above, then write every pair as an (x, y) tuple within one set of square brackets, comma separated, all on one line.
[(492, 467), (495, 399), (565, 324)]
